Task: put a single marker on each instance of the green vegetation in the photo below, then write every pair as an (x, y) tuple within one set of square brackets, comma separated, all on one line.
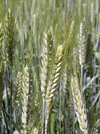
[(50, 66)]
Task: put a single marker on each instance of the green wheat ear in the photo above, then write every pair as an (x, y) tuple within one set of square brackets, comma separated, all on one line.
[(18, 89), (82, 46), (46, 60), (9, 37), (25, 93), (53, 82), (78, 103)]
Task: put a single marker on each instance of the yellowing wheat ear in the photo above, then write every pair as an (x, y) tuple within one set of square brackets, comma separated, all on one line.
[(78, 103), (53, 82), (25, 91)]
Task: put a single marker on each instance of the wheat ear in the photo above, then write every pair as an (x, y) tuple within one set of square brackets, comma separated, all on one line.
[(9, 37), (82, 46), (18, 88), (78, 103), (53, 82), (46, 65), (25, 92), (46, 60)]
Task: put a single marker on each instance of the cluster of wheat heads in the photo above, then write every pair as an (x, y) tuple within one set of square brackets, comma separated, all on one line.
[(50, 67)]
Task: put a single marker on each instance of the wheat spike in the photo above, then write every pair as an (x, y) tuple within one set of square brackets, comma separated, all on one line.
[(78, 103), (46, 62), (25, 92), (9, 37), (3, 47), (18, 89), (82, 46), (53, 82)]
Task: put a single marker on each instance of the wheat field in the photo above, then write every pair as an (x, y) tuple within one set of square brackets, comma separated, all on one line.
[(49, 67)]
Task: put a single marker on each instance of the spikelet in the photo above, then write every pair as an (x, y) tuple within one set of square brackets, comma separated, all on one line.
[(78, 103), (46, 62), (82, 46), (35, 131), (18, 89), (25, 92), (9, 37), (53, 82), (96, 126)]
